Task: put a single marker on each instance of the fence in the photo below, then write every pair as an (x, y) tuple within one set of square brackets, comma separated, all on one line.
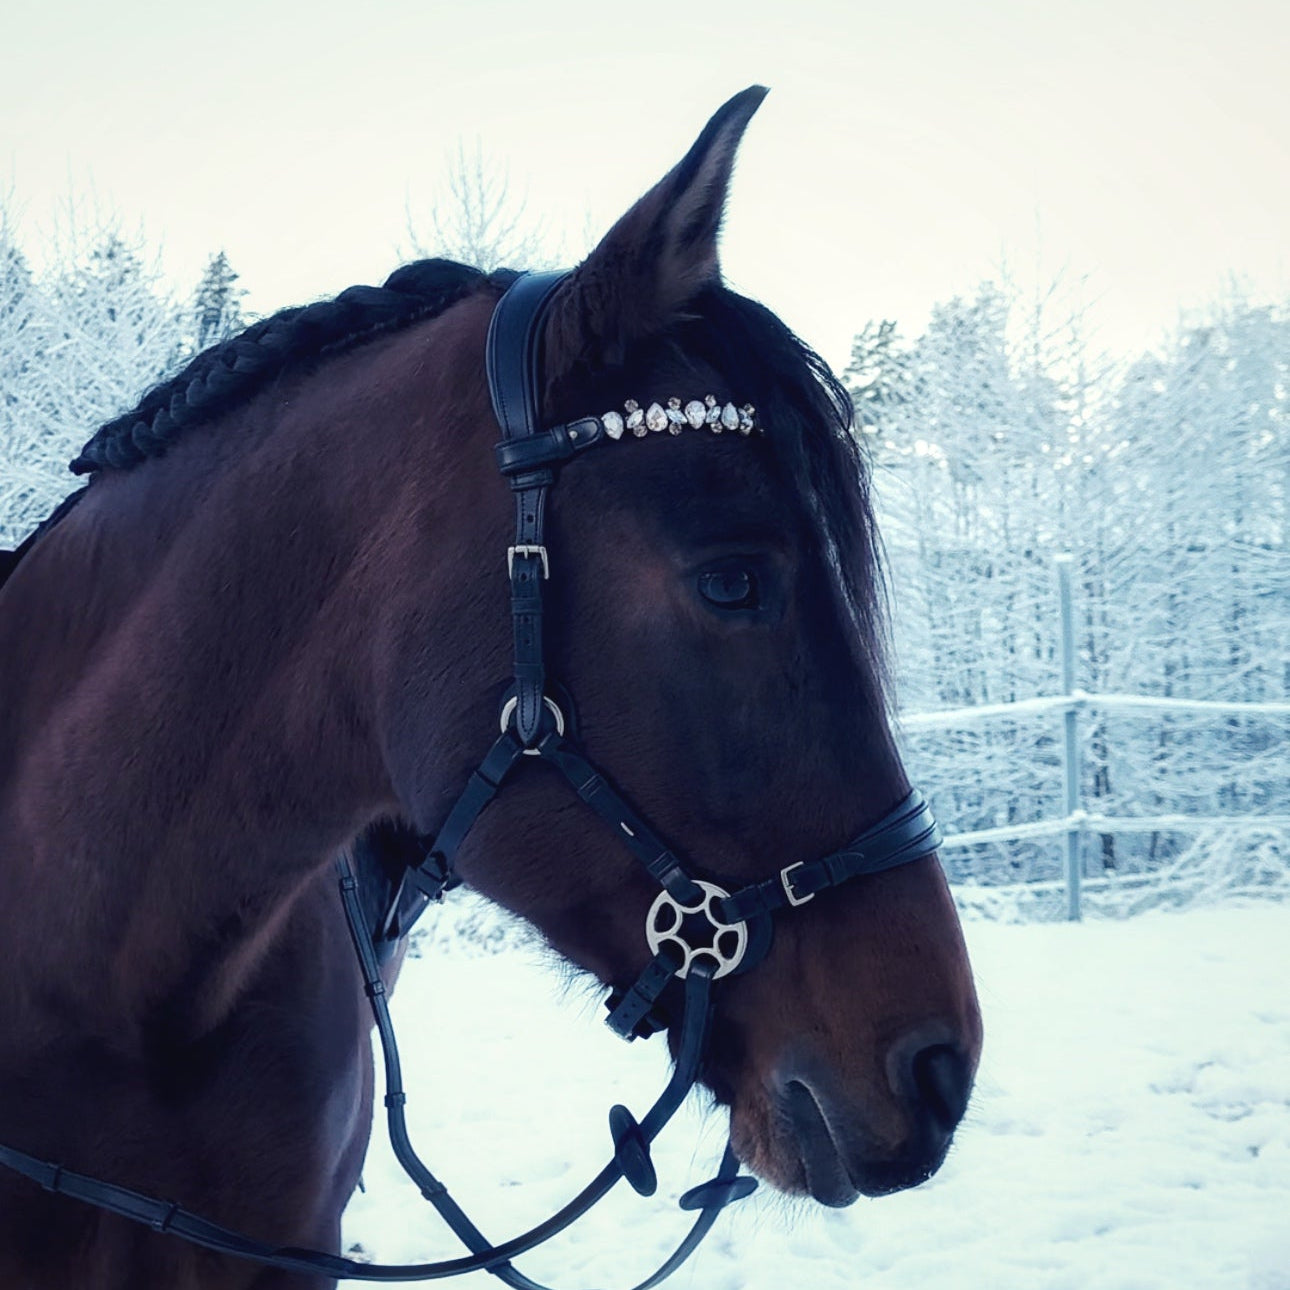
[(1076, 821)]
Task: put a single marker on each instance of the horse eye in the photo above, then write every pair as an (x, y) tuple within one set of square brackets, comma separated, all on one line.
[(729, 588)]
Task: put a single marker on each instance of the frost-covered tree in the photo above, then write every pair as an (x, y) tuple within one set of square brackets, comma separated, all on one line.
[(118, 330), (876, 374), (997, 446), (217, 306), (969, 448), (23, 483), (78, 344), (1198, 602), (966, 444)]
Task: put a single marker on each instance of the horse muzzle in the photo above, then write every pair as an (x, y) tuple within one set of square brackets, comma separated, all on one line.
[(847, 1148)]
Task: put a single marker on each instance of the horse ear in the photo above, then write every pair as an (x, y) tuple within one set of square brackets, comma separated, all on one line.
[(656, 258)]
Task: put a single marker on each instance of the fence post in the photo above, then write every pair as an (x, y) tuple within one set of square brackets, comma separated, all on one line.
[(1070, 744)]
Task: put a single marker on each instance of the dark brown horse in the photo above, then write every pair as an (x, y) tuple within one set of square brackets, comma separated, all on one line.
[(277, 619)]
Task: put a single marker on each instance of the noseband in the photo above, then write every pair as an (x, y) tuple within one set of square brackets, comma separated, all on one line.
[(698, 930)]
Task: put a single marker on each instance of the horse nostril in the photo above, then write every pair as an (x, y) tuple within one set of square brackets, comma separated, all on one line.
[(939, 1075)]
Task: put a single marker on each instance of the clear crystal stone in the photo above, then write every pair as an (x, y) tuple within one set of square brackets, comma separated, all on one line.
[(709, 412)]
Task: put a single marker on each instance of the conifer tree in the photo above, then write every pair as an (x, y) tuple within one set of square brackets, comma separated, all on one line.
[(217, 306)]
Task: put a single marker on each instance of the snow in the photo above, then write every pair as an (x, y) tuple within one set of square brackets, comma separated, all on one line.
[(1130, 1128)]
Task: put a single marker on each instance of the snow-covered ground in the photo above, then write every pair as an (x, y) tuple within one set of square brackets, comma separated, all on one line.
[(1130, 1128)]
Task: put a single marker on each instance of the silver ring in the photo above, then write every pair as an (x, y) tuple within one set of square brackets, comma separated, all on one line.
[(508, 711)]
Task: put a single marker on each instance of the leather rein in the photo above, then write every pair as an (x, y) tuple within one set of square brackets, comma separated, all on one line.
[(735, 925)]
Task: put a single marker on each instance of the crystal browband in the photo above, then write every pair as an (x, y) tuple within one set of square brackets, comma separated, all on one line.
[(674, 418)]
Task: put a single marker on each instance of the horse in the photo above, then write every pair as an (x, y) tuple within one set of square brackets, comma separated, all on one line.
[(274, 628)]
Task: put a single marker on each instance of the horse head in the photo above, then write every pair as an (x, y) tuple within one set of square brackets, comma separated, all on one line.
[(713, 616)]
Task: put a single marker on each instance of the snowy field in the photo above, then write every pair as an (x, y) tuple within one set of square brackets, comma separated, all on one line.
[(1130, 1129)]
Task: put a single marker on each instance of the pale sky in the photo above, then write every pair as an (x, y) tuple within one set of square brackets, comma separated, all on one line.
[(903, 154)]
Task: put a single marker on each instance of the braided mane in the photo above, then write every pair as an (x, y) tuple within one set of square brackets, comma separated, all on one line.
[(228, 374), (737, 336)]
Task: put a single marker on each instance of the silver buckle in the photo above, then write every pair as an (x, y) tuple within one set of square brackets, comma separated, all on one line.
[(788, 886), (540, 551)]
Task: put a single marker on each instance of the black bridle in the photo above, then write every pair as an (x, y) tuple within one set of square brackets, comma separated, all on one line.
[(735, 925)]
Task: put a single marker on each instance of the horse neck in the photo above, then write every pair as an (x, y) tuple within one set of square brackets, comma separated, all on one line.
[(196, 734)]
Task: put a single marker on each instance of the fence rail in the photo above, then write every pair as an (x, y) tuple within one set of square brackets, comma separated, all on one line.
[(1076, 822), (1077, 701), (1086, 822)]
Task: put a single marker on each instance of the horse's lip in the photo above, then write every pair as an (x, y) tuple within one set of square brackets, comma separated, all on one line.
[(837, 1177), (827, 1177)]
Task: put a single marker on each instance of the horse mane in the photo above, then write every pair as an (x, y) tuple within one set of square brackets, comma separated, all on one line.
[(230, 373)]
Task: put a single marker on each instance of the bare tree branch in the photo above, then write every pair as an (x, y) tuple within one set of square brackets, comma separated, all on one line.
[(478, 217)]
